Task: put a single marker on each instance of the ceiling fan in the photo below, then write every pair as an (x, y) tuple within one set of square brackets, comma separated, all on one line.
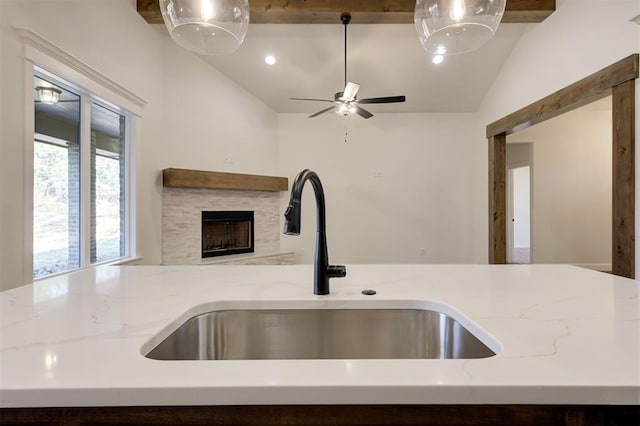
[(346, 102)]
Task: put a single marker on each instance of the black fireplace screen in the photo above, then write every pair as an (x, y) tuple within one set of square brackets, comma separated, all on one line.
[(226, 232)]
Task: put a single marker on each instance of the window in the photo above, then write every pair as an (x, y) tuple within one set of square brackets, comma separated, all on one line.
[(80, 177)]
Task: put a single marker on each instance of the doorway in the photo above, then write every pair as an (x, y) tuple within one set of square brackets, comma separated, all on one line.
[(519, 207), (617, 80)]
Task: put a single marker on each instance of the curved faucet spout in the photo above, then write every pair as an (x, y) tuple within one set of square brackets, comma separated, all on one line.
[(322, 270)]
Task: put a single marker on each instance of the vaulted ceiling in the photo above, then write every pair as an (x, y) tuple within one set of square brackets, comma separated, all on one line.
[(385, 60)]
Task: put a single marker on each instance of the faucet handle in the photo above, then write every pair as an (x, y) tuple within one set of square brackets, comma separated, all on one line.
[(336, 271)]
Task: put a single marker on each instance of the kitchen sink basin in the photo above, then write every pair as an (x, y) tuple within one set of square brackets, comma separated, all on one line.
[(254, 334)]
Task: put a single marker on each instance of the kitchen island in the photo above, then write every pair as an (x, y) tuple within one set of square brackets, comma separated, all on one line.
[(567, 343)]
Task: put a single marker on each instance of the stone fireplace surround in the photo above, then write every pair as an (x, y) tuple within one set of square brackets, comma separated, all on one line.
[(186, 193)]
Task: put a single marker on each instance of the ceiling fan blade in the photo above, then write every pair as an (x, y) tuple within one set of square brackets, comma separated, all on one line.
[(350, 92), (308, 99), (363, 112), (321, 112), (385, 100)]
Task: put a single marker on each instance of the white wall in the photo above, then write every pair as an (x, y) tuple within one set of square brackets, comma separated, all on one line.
[(580, 38), (518, 153), (572, 187), (193, 115), (421, 200)]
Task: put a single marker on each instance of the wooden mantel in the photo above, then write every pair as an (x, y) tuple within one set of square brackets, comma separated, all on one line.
[(183, 178), (363, 12)]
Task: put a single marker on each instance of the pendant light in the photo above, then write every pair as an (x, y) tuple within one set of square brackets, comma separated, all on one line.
[(451, 27), (208, 27)]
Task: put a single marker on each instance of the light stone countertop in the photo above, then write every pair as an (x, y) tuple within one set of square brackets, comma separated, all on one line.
[(564, 335)]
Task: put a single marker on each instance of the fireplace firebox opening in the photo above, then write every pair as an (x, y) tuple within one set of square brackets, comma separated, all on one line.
[(227, 232)]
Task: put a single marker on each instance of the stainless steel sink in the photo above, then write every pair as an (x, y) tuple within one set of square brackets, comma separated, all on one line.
[(320, 334)]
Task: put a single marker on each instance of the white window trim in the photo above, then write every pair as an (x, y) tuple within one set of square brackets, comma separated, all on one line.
[(43, 54), (50, 57)]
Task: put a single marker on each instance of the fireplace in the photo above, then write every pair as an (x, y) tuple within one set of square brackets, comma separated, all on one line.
[(227, 232)]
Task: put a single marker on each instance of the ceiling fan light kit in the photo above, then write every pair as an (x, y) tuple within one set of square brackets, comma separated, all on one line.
[(207, 27), (451, 27)]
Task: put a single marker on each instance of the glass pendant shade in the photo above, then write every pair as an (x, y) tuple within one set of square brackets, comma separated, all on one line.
[(451, 27), (208, 27)]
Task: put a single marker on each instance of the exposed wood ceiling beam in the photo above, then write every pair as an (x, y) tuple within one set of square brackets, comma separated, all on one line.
[(363, 12)]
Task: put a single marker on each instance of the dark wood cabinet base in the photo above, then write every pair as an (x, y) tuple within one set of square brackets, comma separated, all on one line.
[(539, 415)]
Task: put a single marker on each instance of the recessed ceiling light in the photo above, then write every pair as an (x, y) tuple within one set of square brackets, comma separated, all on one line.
[(437, 59), (270, 59)]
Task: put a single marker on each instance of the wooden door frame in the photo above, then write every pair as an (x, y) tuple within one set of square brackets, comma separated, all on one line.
[(616, 80)]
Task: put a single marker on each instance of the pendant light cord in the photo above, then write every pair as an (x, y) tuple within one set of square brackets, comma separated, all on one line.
[(345, 55), (345, 18)]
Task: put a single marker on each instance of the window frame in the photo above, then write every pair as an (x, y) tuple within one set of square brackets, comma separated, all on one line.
[(45, 59)]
